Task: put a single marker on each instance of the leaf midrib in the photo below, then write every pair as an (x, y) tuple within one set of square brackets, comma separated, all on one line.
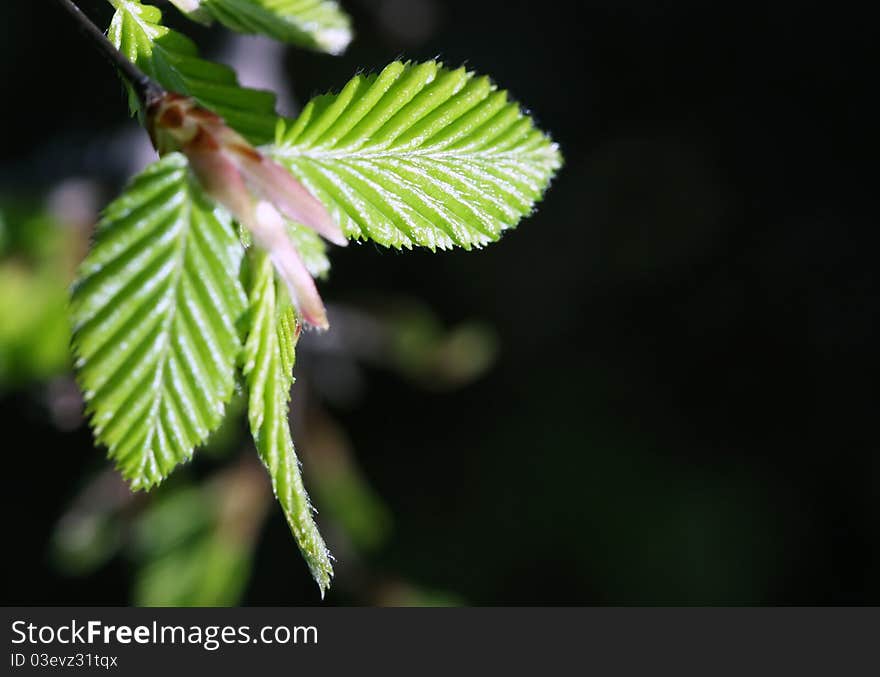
[(294, 153), (163, 358)]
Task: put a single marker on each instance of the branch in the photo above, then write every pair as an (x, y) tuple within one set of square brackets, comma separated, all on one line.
[(148, 90)]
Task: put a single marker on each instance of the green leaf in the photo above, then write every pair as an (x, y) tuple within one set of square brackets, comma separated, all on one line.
[(310, 245), (311, 248), (35, 253), (154, 313), (172, 60), (268, 360), (316, 24), (420, 155), (194, 544)]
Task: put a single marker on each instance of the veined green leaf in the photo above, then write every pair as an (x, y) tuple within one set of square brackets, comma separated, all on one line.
[(268, 360), (154, 313), (172, 60), (316, 24), (420, 155), (311, 248)]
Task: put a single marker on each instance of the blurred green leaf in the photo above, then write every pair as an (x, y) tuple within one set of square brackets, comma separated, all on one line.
[(93, 528), (195, 544), (207, 573), (398, 593), (34, 332), (345, 494), (436, 357), (316, 24)]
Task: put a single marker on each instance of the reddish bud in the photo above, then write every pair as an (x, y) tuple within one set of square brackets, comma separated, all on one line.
[(253, 187)]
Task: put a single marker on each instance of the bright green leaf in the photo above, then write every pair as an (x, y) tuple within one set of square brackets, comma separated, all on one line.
[(420, 155), (154, 313), (311, 248), (268, 359), (172, 60), (316, 24)]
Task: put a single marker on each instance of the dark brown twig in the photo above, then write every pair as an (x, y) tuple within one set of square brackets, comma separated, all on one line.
[(147, 89)]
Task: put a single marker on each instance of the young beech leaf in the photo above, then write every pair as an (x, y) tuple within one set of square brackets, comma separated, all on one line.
[(420, 155), (316, 24), (267, 364), (154, 311), (311, 248), (172, 60)]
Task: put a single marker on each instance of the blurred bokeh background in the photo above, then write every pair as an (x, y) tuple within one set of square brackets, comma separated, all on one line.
[(661, 388)]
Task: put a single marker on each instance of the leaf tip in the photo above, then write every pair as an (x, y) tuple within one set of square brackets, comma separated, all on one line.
[(334, 40)]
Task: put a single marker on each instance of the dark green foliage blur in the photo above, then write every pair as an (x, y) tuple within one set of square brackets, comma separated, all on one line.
[(658, 389)]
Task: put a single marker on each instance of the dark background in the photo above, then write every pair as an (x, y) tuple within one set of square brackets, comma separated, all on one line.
[(683, 407)]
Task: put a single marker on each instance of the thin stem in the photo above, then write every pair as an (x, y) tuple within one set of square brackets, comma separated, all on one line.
[(147, 89)]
